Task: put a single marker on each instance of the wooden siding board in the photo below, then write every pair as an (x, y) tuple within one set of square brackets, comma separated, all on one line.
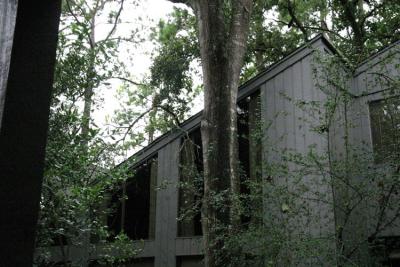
[(275, 114), (263, 103), (160, 214), (166, 224), (173, 200), (159, 223), (267, 112), (163, 257), (308, 96), (298, 113), (187, 246), (307, 121)]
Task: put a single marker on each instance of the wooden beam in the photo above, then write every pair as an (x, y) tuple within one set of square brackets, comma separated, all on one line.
[(25, 99)]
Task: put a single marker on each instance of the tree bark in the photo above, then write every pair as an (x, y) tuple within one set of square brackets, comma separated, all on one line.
[(354, 19), (85, 131), (88, 91), (222, 47)]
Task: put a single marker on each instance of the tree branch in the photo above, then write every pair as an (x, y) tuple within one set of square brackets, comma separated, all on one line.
[(296, 21), (115, 21), (127, 80), (78, 21)]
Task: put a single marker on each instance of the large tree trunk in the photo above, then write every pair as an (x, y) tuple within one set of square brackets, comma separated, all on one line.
[(222, 46), (355, 20)]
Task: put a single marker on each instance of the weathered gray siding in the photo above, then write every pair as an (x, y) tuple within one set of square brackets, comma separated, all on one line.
[(167, 204), (370, 83), (289, 128)]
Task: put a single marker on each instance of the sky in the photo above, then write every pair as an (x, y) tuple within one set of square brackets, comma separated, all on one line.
[(136, 58)]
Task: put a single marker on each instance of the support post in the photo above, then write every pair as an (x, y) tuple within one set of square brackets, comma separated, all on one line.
[(25, 89)]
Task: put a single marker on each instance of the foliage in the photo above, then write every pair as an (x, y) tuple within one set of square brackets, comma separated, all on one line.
[(330, 205), (79, 174), (356, 27), (306, 193), (167, 95), (279, 241)]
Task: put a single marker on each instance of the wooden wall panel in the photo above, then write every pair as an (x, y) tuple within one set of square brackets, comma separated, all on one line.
[(167, 204), (290, 128)]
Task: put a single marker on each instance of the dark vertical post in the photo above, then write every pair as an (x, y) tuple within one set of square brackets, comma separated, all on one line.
[(153, 196), (25, 109)]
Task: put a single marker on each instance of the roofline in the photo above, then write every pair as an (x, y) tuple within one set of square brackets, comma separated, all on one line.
[(375, 58), (246, 89), (310, 43)]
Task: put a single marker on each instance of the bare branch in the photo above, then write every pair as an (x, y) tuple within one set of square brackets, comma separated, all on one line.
[(185, 2), (170, 112), (127, 80), (115, 21)]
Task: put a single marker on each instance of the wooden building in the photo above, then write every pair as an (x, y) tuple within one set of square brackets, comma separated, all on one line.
[(280, 93)]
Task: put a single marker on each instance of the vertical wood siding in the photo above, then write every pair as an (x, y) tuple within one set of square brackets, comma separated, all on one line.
[(287, 127), (167, 204), (370, 86)]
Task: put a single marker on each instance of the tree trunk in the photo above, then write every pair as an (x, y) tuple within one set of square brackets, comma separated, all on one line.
[(222, 47), (258, 15), (354, 19), (155, 102), (88, 93), (85, 132)]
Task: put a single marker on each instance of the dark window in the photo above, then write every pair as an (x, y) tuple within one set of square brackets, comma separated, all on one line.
[(386, 250), (134, 204), (137, 262), (385, 129), (191, 185), (249, 127), (191, 168), (189, 261)]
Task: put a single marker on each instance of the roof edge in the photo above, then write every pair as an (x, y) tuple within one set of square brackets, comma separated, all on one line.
[(243, 91), (375, 56)]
